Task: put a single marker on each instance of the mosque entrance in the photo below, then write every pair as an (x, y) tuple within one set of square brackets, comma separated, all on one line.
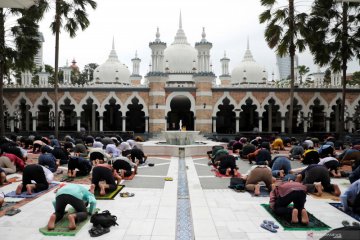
[(317, 117), (45, 116), (249, 118), (135, 117), (89, 116), (180, 110), (112, 116), (67, 116), (271, 117)]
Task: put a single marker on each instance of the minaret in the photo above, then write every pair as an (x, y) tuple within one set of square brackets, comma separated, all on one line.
[(135, 77), (204, 80), (225, 77), (203, 47), (157, 54), (43, 77), (26, 78), (67, 73)]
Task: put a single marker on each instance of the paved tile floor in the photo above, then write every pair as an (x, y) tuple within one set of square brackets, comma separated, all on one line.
[(217, 212)]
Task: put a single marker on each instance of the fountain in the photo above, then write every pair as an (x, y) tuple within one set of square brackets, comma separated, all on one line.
[(181, 137)]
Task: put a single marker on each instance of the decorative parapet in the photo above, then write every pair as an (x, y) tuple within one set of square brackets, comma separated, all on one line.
[(150, 74), (211, 74)]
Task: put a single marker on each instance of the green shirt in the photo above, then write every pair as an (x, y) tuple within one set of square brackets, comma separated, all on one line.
[(79, 192)]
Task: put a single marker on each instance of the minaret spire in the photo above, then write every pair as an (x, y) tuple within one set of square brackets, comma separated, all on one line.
[(248, 45), (157, 35), (113, 43), (180, 21)]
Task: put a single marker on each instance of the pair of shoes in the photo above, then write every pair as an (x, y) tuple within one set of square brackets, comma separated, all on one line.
[(268, 227), (127, 194), (271, 223), (168, 179), (98, 230), (356, 224), (151, 164)]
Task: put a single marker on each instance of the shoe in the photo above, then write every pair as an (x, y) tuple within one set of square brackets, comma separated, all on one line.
[(12, 212), (271, 223), (356, 224), (168, 179), (345, 223), (127, 194), (98, 230), (268, 227)]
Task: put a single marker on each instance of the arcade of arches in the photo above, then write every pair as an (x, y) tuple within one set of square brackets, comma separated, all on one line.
[(134, 114)]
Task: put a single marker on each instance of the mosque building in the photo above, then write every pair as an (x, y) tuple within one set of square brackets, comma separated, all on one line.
[(180, 85)]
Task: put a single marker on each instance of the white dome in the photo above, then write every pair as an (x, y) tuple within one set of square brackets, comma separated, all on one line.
[(112, 71), (180, 57), (248, 71)]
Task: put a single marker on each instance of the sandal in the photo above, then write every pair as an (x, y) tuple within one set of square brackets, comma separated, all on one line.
[(98, 230), (356, 224), (345, 223), (12, 212), (126, 194), (271, 223), (168, 179), (268, 227)]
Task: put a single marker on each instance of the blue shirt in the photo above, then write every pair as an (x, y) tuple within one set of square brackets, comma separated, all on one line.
[(350, 194), (48, 160)]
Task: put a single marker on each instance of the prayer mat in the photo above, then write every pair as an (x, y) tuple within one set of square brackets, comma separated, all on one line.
[(351, 214), (79, 180), (263, 192), (61, 227), (109, 196), (314, 223), (326, 196), (25, 195), (218, 174), (7, 205)]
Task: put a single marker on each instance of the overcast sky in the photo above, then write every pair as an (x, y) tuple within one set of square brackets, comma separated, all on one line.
[(133, 23)]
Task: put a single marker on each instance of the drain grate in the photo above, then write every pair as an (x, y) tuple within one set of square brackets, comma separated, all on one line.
[(184, 223)]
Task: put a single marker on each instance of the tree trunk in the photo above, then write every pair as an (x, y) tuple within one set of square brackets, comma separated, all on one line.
[(2, 68), (56, 83), (344, 53), (292, 55)]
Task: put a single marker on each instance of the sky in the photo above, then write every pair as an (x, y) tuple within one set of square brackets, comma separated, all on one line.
[(132, 23)]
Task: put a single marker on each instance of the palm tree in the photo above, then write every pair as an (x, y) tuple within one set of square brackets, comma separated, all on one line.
[(334, 38), (71, 14), (302, 71), (19, 49), (284, 32)]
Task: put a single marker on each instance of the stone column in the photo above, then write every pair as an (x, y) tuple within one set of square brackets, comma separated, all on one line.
[(327, 124), (27, 120), (260, 124), (214, 124), (194, 123), (124, 123), (12, 124), (237, 124), (78, 123), (34, 123), (282, 124), (305, 125), (270, 118), (146, 124), (93, 117), (101, 123)]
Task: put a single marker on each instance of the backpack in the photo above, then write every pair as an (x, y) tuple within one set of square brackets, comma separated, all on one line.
[(237, 184), (105, 219)]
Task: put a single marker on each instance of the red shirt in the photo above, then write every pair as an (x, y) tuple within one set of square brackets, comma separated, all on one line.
[(19, 163), (284, 189)]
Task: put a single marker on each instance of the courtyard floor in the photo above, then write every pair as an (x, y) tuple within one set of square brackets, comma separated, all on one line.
[(215, 211)]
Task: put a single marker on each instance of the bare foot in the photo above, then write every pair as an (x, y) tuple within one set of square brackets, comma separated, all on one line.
[(18, 189), (29, 189), (318, 187), (227, 173), (304, 217), (337, 191), (257, 190), (51, 223), (294, 216), (102, 189), (71, 218), (281, 173)]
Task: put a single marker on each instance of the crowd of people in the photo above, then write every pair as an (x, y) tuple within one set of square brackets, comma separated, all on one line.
[(106, 160), (290, 186)]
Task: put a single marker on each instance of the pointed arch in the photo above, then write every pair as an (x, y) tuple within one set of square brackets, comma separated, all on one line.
[(277, 102), (247, 96), (174, 94), (67, 95), (311, 102), (84, 102), (106, 101), (17, 102), (43, 96), (220, 101), (129, 101)]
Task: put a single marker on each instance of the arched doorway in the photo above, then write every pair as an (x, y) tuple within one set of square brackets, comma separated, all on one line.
[(297, 118), (44, 115), (112, 116), (225, 118), (67, 116), (89, 116), (180, 110), (335, 116), (249, 118), (22, 116), (271, 117), (317, 117), (135, 117)]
